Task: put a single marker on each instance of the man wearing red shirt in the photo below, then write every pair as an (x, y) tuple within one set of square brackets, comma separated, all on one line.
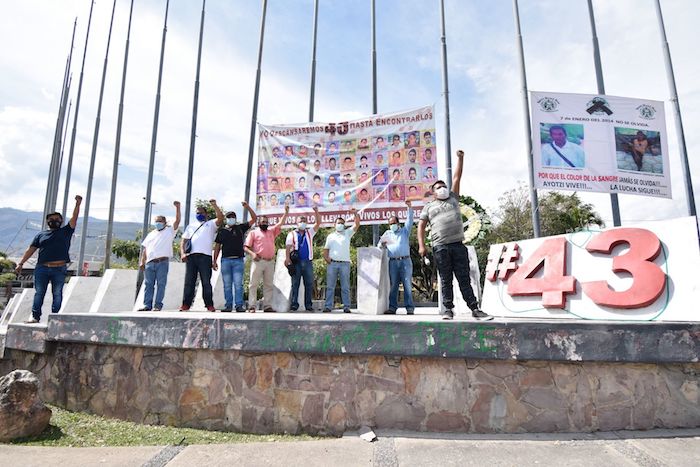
[(260, 246)]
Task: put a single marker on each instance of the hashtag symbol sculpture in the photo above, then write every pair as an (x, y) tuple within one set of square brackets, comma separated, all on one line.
[(509, 260), (502, 260)]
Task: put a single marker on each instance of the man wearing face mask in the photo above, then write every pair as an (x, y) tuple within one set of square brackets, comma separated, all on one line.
[(301, 240), (447, 234), (201, 235), (155, 260), (260, 246), (51, 266), (336, 252), (229, 242), (396, 241)]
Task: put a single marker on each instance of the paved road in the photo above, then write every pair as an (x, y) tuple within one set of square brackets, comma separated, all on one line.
[(675, 448)]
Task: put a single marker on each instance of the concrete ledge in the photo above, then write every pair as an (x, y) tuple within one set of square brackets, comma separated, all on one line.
[(414, 336), (29, 337)]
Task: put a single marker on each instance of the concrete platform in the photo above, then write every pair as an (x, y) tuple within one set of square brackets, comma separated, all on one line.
[(424, 335), (29, 337)]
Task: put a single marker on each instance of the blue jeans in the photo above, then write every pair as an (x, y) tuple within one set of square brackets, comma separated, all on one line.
[(332, 272), (42, 276), (232, 274), (198, 264), (400, 272), (155, 277), (454, 259), (305, 269)]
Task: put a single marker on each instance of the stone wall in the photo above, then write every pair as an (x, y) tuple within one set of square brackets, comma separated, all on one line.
[(295, 393)]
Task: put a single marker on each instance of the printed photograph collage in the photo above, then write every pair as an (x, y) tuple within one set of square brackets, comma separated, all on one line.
[(381, 169)]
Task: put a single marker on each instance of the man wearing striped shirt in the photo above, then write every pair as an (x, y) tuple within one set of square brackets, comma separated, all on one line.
[(446, 235)]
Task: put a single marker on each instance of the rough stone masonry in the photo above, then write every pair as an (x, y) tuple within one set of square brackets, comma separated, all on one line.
[(295, 393)]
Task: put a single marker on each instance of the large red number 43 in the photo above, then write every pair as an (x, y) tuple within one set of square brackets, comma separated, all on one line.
[(648, 278), (553, 285)]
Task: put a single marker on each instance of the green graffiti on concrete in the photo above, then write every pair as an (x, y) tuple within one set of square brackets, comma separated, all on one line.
[(382, 338), (114, 326)]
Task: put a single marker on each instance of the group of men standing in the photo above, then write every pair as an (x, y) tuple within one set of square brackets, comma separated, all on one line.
[(206, 240)]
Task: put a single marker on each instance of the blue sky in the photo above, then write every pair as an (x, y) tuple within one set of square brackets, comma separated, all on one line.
[(486, 112)]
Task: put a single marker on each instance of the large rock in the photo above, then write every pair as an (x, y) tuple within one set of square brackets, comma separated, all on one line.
[(22, 413)]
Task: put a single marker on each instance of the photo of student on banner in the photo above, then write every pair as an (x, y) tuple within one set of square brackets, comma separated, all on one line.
[(379, 143), (562, 145), (638, 150), (411, 139), (348, 146), (379, 177)]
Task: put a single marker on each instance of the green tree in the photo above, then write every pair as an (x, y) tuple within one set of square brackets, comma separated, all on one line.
[(128, 250), (7, 268), (559, 214), (204, 203)]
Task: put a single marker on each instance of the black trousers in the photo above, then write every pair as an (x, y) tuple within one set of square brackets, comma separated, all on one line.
[(454, 259), (198, 264)]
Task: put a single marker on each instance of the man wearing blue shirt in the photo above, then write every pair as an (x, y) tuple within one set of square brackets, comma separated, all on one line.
[(53, 245), (396, 241), (301, 240)]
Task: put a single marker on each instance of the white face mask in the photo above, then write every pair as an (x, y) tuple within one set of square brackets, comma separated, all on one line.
[(231, 221), (339, 227), (394, 227), (442, 193), (302, 225)]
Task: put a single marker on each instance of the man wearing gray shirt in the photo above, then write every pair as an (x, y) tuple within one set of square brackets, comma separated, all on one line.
[(446, 235)]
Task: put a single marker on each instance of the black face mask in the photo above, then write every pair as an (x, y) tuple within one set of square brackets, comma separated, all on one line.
[(54, 224), (263, 227)]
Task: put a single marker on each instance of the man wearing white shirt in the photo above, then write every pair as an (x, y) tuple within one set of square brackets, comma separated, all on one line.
[(155, 259), (336, 252), (201, 235), (561, 152), (301, 240)]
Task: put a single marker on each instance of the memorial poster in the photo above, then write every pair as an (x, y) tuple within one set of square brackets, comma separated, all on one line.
[(596, 143)]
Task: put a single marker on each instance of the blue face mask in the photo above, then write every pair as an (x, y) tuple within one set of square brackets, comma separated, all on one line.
[(201, 217), (394, 227), (159, 225), (231, 221), (339, 227)]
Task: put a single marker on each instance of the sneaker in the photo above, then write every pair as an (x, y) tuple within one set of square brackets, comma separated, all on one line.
[(211, 308), (448, 314), (240, 309), (157, 308), (184, 308), (145, 308), (478, 314), (390, 312), (326, 310), (268, 309), (346, 310), (227, 309), (31, 321), (252, 309), (309, 310), (409, 312), (294, 308)]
